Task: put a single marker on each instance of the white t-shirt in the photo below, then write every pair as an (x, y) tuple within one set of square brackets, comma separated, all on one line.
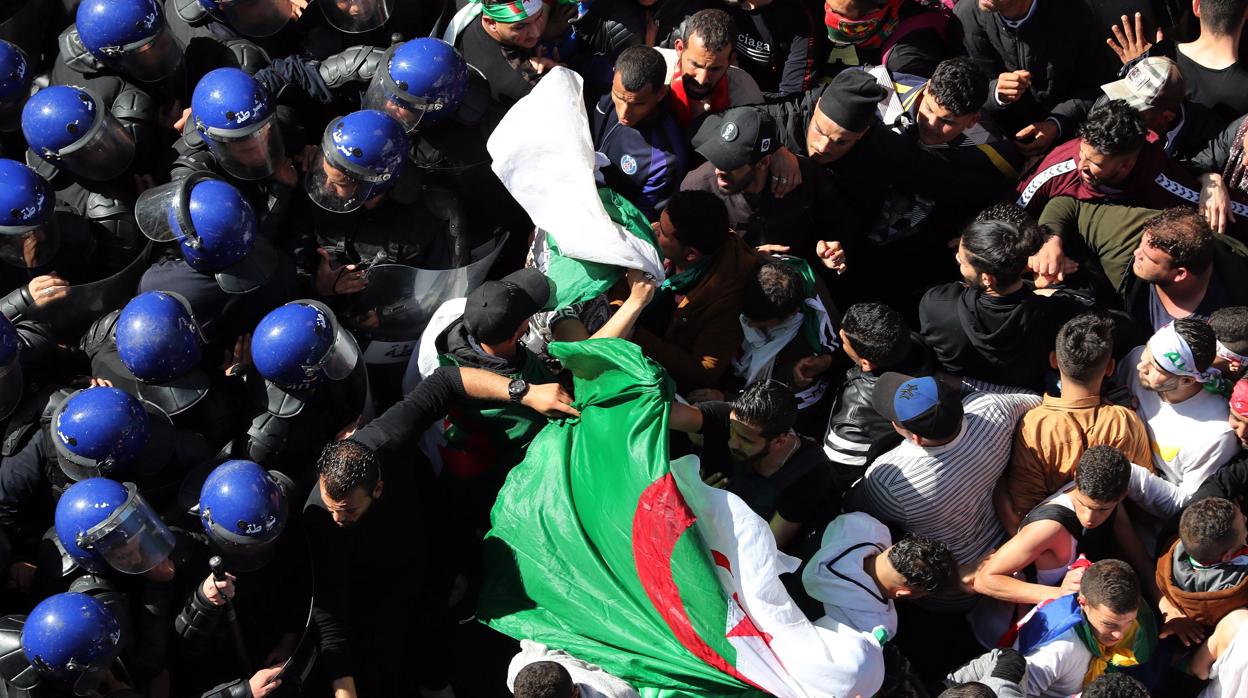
[(1190, 440), (1229, 676), (1056, 670)]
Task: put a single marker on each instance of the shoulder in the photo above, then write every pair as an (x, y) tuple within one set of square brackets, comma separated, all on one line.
[(941, 294)]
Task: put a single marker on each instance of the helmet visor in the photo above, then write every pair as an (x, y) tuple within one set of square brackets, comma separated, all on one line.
[(257, 18), (160, 210), (150, 60), (249, 153), (30, 248), (132, 539), (386, 97), (102, 154), (356, 16), (334, 189)]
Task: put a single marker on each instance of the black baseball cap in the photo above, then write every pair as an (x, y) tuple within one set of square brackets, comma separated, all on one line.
[(925, 405), (496, 308), (736, 138)]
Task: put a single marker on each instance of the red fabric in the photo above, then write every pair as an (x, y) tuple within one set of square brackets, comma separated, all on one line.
[(720, 98), (1239, 398)]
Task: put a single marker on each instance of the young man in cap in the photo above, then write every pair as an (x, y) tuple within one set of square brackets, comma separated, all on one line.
[(1156, 89), (938, 482)]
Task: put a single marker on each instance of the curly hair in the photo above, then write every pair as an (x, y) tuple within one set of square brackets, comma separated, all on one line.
[(877, 332), (1114, 128), (1103, 474), (345, 465), (543, 680), (1230, 325), (768, 405), (1184, 235), (714, 26), (959, 85), (926, 563), (1115, 686), (1207, 529), (774, 292), (1084, 346), (1111, 584)]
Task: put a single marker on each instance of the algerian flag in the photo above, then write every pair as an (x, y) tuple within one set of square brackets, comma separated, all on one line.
[(544, 156), (602, 549)]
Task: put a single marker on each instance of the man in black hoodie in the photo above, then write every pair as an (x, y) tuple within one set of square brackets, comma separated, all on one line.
[(992, 326)]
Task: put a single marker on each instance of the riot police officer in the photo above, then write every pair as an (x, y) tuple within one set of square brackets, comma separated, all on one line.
[(16, 74)]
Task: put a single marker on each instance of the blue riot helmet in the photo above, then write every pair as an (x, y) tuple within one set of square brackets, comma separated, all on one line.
[(243, 509), (28, 236), (235, 118), (16, 75), (12, 384), (71, 639), (70, 128), (421, 81), (301, 343), (254, 18), (160, 342), (356, 16), (214, 225), (97, 431), (104, 524), (130, 36), (361, 156)]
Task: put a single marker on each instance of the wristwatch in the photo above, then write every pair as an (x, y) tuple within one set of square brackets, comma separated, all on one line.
[(517, 389)]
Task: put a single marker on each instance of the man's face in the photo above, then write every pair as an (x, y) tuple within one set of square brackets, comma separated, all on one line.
[(746, 443), (347, 512), (736, 181), (342, 184), (1090, 512), (968, 272), (1240, 427), (848, 347), (826, 141), (1005, 7), (939, 125), (1151, 264), (632, 108), (672, 248), (701, 68), (1108, 627), (1153, 377), (1097, 169), (523, 34)]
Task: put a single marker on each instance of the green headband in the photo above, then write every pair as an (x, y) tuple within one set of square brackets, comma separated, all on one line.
[(512, 12)]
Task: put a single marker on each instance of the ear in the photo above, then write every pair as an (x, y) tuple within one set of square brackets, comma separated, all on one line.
[(866, 366), (1234, 366), (974, 119), (902, 592), (987, 280), (1109, 368), (1181, 274), (679, 45), (378, 488), (1053, 360)]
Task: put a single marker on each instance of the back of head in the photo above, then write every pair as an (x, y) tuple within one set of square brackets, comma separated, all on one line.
[(877, 332), (959, 85), (1184, 235), (775, 292), (1222, 16), (345, 465), (768, 405), (714, 27), (1000, 248), (1114, 128), (543, 680), (641, 68), (700, 220), (1084, 347), (1103, 474), (1007, 212), (1115, 686), (1111, 584), (973, 689), (1199, 337), (926, 563), (1230, 326), (1207, 529)]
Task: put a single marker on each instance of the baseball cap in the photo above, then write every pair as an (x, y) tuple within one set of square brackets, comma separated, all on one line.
[(496, 308), (736, 138), (924, 405), (1149, 82)]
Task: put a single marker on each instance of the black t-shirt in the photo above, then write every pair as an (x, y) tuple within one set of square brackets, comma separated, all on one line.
[(1224, 91), (798, 491)]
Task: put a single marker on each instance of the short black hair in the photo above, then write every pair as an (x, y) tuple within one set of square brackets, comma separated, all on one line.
[(1085, 344), (1222, 16), (1115, 686), (641, 67), (699, 220), (1230, 326), (1006, 212), (1207, 529), (768, 405), (1000, 248), (959, 85), (345, 465), (1200, 339), (974, 689), (714, 26), (926, 563), (1184, 235), (1111, 584), (543, 680), (1103, 474), (878, 333), (774, 292), (1114, 128)]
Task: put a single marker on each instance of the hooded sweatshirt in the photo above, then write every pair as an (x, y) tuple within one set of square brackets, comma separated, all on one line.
[(836, 577)]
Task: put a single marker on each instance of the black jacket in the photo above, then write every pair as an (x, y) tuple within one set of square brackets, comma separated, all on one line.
[(610, 26), (780, 46)]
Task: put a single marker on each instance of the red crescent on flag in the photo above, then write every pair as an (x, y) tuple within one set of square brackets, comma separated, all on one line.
[(662, 517)]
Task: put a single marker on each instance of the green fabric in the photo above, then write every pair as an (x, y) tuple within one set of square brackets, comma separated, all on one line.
[(511, 12), (1145, 636), (564, 564), (494, 433), (577, 281), (811, 322)]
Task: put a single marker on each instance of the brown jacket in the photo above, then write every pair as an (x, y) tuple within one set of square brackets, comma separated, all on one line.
[(1206, 608), (704, 332)]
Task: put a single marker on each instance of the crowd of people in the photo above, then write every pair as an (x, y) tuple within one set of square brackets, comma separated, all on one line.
[(953, 295)]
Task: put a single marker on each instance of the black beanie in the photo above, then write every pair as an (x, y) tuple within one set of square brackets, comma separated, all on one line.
[(850, 99)]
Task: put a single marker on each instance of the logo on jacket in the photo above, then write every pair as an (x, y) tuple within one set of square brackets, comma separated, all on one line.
[(628, 164)]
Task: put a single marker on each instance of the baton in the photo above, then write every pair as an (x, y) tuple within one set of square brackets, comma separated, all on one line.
[(218, 573)]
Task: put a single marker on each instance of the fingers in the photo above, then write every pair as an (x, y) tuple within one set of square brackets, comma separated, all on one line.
[(773, 249), (1139, 26)]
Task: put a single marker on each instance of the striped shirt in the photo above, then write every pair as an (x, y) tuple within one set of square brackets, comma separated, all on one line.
[(945, 492)]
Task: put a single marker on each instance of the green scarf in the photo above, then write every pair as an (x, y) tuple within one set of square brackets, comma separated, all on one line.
[(512, 12), (681, 282)]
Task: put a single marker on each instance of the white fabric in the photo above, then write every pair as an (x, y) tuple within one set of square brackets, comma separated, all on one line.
[(1171, 352), (424, 359), (543, 154), (759, 348), (590, 678), (1229, 676), (1056, 670), (828, 575), (802, 659)]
